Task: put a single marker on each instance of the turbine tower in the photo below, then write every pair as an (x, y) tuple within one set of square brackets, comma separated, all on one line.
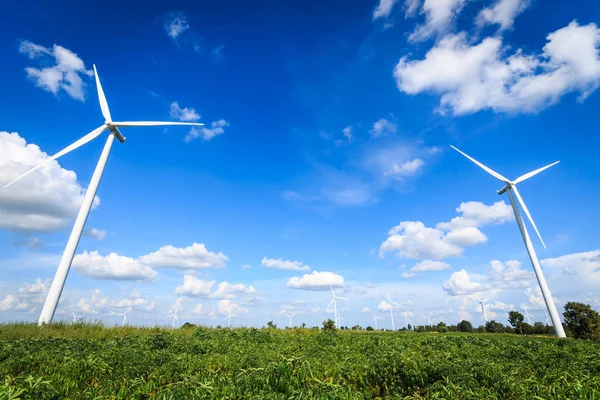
[(527, 316), (375, 318), (428, 318), (391, 312), (483, 306), (124, 316), (62, 271), (334, 302), (511, 188), (174, 315), (290, 317), (407, 320), (229, 315)]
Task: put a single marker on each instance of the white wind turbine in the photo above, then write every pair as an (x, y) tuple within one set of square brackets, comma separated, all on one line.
[(124, 316), (290, 317), (174, 315), (407, 320), (76, 318), (511, 188), (229, 315), (62, 271), (527, 316), (375, 318), (428, 318), (334, 302), (391, 312), (547, 321), (483, 306)]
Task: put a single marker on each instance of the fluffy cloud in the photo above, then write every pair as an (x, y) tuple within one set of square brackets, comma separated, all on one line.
[(412, 239), (586, 264), (183, 114), (216, 128), (502, 12), (383, 9), (280, 264), (383, 127), (439, 14), (195, 287), (477, 214), (470, 78), (347, 132), (46, 200), (64, 72), (429, 265), (461, 283), (112, 266), (465, 236), (316, 281), (136, 303), (509, 275), (195, 256), (95, 233), (96, 304), (176, 23)]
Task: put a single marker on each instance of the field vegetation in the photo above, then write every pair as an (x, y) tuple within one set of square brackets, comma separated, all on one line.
[(89, 361)]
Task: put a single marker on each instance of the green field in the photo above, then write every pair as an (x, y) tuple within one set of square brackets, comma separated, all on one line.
[(62, 361)]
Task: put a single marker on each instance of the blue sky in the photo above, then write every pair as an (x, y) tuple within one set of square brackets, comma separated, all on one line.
[(325, 158)]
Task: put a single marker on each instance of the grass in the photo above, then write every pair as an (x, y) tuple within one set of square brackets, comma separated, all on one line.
[(91, 361)]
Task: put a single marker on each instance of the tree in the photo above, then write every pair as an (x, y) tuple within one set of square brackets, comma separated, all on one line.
[(304, 325), (369, 328), (494, 327), (271, 325), (515, 318), (582, 321), (329, 325), (465, 326), (356, 328)]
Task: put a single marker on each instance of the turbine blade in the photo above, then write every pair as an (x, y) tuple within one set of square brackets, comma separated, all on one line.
[(533, 173), (102, 98), (342, 298), (331, 303), (528, 214), (154, 123), (488, 170), (89, 137), (388, 296)]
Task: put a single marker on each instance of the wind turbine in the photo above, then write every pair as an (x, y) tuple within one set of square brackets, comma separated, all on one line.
[(483, 306), (511, 188), (428, 318), (124, 316), (375, 318), (527, 316), (290, 317), (62, 271), (547, 322), (391, 312), (406, 319), (174, 315), (75, 318), (334, 302), (229, 315)]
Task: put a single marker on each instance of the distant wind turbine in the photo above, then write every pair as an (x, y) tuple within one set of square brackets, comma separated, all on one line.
[(428, 318), (375, 318), (229, 315), (511, 188), (547, 322), (62, 271), (406, 319), (334, 302), (174, 315), (76, 318), (483, 306), (290, 317), (391, 312), (124, 316), (527, 316)]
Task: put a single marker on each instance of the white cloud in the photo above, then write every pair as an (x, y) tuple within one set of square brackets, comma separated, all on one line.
[(137, 303), (46, 200), (366, 310), (96, 304), (8, 302), (477, 214), (407, 168), (470, 78), (347, 132), (509, 275), (38, 287), (195, 256), (176, 24), (65, 70), (217, 52), (467, 236), (183, 114), (112, 266), (411, 7), (29, 241), (585, 265), (407, 274), (198, 309), (383, 127), (195, 287), (280, 264), (95, 233), (502, 12), (383, 9), (217, 128), (316, 281), (439, 14), (430, 265), (461, 283), (412, 239), (384, 306), (246, 266)]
